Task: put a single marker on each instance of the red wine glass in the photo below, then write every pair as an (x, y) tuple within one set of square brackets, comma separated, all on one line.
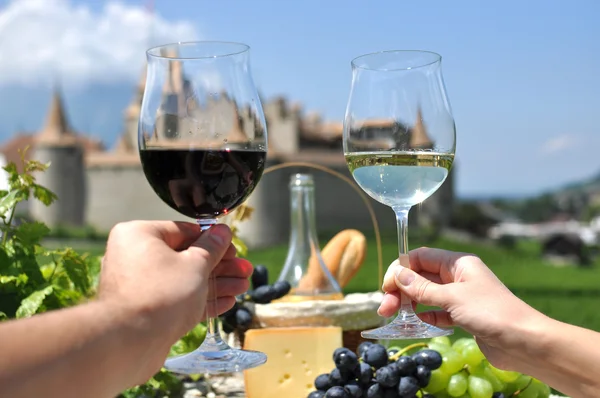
[(203, 145)]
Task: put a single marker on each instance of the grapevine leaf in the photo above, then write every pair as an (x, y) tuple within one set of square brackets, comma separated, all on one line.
[(43, 194), (9, 201), (240, 246), (18, 280), (3, 316), (31, 304), (31, 233), (5, 261), (28, 264), (77, 269)]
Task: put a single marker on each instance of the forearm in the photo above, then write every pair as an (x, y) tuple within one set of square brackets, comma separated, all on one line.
[(88, 350), (563, 356)]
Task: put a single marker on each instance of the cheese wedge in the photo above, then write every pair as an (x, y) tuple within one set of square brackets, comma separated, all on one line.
[(296, 356)]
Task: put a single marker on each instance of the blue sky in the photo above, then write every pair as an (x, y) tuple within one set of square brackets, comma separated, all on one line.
[(523, 76)]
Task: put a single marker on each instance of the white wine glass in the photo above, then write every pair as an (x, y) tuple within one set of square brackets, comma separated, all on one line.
[(399, 144)]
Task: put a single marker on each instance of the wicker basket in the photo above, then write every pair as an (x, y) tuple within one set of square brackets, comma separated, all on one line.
[(351, 338)]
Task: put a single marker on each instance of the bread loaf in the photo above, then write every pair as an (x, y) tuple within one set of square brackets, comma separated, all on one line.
[(343, 256)]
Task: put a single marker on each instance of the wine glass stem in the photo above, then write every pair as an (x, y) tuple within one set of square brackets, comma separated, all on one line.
[(402, 222), (213, 340)]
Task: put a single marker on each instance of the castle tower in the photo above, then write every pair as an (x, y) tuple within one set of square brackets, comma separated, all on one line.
[(128, 142), (57, 144)]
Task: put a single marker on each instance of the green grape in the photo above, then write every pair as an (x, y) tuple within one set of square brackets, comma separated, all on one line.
[(457, 385), (439, 347), (543, 389), (479, 387), (437, 382), (453, 362), (472, 355), (506, 376), (441, 340), (522, 381), (461, 343), (532, 391), (497, 384)]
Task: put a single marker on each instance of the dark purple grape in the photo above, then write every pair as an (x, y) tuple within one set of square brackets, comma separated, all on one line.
[(406, 365), (339, 377), (362, 347), (338, 352), (243, 318), (364, 373), (263, 295), (337, 392), (387, 376), (390, 393), (260, 276), (430, 358), (354, 389), (392, 352), (322, 382), (498, 395), (376, 356), (346, 360), (408, 387), (422, 374), (375, 391), (281, 289), (316, 394)]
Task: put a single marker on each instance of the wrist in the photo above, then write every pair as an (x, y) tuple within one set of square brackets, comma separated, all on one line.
[(527, 341)]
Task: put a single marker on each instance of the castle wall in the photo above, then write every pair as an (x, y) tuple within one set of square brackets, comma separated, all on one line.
[(119, 193), (66, 178)]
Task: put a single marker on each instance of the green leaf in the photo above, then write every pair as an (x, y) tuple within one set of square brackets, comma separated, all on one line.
[(8, 202), (190, 341), (43, 194), (31, 233), (240, 246), (3, 316), (33, 302), (17, 280), (77, 269), (6, 262), (28, 263)]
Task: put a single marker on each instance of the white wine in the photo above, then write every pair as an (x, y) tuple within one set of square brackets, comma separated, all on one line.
[(399, 179)]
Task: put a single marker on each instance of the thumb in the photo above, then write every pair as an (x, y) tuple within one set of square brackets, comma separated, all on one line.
[(212, 245), (420, 289)]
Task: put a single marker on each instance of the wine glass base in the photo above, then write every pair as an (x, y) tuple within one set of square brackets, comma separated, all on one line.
[(226, 361), (406, 326)]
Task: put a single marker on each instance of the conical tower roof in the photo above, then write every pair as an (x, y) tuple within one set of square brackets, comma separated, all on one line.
[(56, 126), (419, 137)]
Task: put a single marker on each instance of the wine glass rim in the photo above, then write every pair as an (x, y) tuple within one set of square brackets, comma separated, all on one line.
[(435, 58), (154, 52)]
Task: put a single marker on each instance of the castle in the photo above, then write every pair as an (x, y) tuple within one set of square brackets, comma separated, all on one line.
[(100, 187)]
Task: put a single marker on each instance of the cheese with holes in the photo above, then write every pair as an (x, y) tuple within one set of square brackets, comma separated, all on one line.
[(296, 356)]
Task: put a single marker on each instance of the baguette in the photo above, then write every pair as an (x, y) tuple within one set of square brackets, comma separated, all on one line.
[(343, 256)]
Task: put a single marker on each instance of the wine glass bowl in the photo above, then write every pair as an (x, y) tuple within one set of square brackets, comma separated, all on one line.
[(203, 145), (399, 144)]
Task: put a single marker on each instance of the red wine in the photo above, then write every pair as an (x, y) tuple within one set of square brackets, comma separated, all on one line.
[(203, 184)]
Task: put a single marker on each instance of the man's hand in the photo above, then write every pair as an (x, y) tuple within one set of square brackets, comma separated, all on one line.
[(158, 272)]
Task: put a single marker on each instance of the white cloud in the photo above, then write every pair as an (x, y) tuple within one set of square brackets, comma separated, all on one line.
[(45, 40), (558, 144)]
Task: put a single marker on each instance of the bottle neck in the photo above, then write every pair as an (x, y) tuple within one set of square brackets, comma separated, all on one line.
[(303, 234)]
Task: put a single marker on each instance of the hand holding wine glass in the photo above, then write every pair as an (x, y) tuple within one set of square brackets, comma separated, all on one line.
[(399, 143), (203, 146)]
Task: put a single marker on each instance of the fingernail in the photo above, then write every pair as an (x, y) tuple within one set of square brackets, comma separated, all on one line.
[(404, 276)]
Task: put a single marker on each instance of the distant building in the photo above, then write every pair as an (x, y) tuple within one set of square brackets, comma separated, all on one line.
[(100, 187)]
